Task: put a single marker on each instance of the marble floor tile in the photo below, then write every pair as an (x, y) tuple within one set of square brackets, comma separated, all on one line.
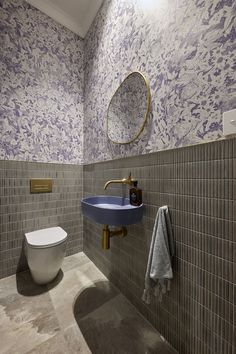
[(116, 327), (93, 297), (21, 283), (90, 273), (75, 341), (54, 345), (79, 312), (26, 322), (64, 293), (69, 341), (75, 261), (63, 296)]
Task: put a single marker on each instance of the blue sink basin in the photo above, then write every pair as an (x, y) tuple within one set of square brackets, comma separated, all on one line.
[(109, 210)]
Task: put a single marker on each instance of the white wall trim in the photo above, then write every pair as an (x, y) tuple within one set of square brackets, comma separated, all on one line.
[(59, 16), (91, 13)]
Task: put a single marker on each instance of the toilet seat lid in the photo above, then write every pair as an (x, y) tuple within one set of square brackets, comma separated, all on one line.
[(46, 237)]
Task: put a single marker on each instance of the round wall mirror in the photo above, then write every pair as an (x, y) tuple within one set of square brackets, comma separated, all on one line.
[(128, 109)]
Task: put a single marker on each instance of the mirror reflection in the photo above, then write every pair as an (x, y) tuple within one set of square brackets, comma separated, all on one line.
[(128, 109)]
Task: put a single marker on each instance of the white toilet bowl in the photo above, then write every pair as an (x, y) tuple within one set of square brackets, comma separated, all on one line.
[(45, 250)]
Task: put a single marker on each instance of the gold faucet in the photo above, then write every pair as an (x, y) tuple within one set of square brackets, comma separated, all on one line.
[(128, 180)]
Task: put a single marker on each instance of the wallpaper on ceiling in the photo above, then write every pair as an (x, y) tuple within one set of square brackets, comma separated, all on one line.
[(187, 51), (41, 87)]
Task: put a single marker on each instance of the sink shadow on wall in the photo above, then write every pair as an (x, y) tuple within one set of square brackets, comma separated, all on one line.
[(197, 184)]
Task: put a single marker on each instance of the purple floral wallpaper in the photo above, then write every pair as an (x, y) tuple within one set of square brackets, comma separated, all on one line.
[(41, 87), (187, 51), (53, 101)]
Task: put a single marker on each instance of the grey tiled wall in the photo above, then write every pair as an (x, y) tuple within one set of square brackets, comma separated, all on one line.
[(199, 186), (21, 211)]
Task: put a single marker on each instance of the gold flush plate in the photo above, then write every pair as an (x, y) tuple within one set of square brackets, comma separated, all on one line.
[(40, 185)]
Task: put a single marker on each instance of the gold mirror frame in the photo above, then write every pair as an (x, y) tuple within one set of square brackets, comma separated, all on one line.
[(148, 104)]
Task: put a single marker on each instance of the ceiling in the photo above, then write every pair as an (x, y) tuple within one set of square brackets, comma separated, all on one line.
[(77, 15)]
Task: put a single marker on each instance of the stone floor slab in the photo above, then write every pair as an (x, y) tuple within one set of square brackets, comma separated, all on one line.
[(80, 312)]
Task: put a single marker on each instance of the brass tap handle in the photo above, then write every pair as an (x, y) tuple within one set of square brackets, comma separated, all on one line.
[(128, 180)]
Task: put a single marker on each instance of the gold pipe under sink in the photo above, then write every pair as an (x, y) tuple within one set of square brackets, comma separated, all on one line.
[(107, 234)]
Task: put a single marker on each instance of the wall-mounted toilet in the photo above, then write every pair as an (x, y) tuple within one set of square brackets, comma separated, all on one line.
[(45, 250)]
